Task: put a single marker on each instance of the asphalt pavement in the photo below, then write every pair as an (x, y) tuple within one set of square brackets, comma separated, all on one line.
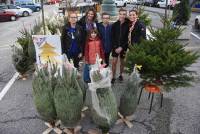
[(180, 113), (9, 31)]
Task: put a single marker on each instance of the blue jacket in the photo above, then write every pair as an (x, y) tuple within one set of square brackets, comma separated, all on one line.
[(105, 34), (68, 43)]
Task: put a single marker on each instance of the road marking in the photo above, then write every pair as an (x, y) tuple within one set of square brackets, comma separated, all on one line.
[(8, 85), (5, 46), (195, 35)]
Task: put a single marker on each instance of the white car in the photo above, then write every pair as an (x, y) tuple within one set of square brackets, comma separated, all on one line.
[(132, 1), (170, 3), (121, 3), (18, 10), (197, 22)]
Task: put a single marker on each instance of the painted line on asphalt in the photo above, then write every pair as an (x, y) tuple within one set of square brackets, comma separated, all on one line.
[(8, 85), (5, 46), (195, 35)]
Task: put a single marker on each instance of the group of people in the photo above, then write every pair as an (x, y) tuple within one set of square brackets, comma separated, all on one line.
[(85, 38)]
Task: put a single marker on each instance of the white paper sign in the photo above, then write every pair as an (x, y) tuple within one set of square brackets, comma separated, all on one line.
[(48, 49)]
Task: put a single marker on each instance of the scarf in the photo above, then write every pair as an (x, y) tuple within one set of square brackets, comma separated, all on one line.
[(130, 31), (74, 50)]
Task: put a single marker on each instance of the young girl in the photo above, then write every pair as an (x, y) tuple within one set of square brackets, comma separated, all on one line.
[(92, 48)]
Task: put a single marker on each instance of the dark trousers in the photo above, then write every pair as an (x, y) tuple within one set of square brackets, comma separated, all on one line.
[(107, 56), (76, 61)]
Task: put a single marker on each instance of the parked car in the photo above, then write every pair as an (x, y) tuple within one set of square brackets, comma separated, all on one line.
[(53, 1), (197, 22), (18, 10), (33, 6), (162, 3), (7, 15), (132, 1), (196, 7), (151, 3), (120, 3), (139, 2)]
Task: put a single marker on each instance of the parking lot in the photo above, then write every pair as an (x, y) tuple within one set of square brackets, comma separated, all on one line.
[(179, 115)]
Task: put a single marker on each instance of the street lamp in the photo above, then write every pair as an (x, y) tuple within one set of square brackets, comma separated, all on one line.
[(43, 23), (109, 6), (166, 5)]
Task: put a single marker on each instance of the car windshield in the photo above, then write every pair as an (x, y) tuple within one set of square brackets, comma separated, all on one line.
[(12, 7), (3, 7)]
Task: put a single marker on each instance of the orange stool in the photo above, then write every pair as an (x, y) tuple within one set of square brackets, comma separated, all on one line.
[(151, 88)]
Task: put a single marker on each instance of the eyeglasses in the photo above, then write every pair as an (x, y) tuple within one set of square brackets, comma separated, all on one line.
[(73, 17), (123, 14), (106, 18), (90, 14)]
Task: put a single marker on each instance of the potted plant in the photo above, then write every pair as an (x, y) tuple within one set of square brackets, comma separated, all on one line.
[(164, 60)]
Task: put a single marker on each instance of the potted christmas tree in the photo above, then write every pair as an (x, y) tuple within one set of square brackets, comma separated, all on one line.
[(164, 60), (181, 15)]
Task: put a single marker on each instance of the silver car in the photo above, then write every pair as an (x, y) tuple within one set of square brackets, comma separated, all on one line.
[(18, 10)]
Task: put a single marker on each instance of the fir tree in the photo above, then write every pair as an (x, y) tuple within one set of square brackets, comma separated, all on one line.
[(182, 12), (164, 60), (22, 50), (144, 17)]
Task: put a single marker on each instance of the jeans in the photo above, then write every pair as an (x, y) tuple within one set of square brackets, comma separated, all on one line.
[(86, 73)]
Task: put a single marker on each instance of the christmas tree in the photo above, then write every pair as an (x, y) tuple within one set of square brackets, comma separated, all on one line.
[(164, 60), (22, 56), (182, 12), (144, 17)]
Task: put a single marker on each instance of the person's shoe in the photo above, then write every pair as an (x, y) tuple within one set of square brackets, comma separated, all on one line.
[(113, 81), (120, 78)]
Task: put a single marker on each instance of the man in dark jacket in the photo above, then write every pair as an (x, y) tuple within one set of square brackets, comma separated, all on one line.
[(105, 34), (71, 39), (119, 38)]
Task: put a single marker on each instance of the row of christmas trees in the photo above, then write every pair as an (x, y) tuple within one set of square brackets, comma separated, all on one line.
[(60, 95)]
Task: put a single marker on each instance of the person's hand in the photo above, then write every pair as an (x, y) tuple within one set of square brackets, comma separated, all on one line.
[(118, 50), (86, 62), (80, 55), (131, 29)]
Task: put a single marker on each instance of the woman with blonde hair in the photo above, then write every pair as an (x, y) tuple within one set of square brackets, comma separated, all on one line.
[(72, 38)]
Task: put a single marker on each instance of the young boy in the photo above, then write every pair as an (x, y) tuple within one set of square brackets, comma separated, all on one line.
[(105, 34)]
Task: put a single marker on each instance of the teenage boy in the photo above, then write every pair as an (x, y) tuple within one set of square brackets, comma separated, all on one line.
[(105, 34), (119, 36)]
